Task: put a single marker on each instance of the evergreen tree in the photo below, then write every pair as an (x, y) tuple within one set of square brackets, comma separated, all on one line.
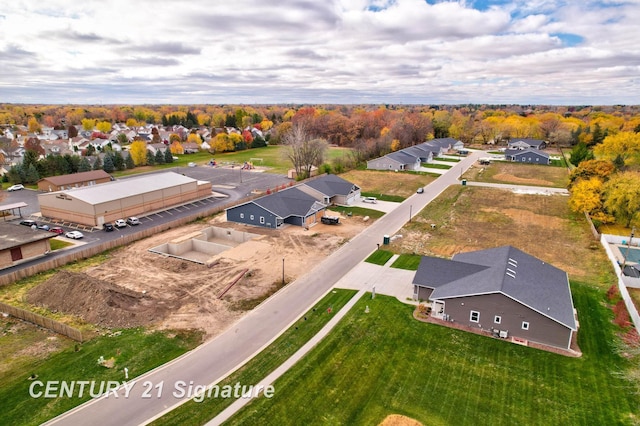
[(618, 162), (32, 175), (129, 162), (84, 165), (151, 159), (580, 153), (159, 157), (118, 161), (168, 156), (97, 165), (108, 164)]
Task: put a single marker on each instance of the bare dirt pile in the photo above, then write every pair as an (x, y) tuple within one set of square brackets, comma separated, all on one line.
[(97, 301)]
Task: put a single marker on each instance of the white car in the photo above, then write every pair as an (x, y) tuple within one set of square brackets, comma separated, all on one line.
[(17, 187), (74, 235), (133, 221), (192, 164), (120, 223), (372, 200)]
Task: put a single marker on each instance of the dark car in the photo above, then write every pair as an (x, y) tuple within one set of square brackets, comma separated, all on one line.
[(28, 222), (107, 227)]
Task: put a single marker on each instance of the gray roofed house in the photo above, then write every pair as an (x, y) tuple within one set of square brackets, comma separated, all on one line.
[(288, 206), (524, 143), (528, 155), (410, 158), (332, 189), (502, 291)]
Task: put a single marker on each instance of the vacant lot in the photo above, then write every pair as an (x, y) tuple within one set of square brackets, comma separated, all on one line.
[(473, 218), (389, 183), (384, 362), (519, 174)]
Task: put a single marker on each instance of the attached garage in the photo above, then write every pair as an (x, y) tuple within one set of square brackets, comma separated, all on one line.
[(137, 196)]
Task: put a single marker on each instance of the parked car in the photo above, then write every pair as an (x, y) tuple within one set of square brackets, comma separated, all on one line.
[(57, 230), (371, 200), (108, 227), (133, 221), (17, 187), (120, 223), (44, 227), (420, 190), (192, 164), (74, 235), (28, 222)]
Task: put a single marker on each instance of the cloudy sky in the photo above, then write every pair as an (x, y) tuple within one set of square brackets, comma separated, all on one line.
[(320, 51)]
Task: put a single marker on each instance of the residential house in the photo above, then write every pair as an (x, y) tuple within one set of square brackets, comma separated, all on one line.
[(288, 206), (332, 190), (502, 291), (397, 161), (411, 158), (529, 155), (526, 143)]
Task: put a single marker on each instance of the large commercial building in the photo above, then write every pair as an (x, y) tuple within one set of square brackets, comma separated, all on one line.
[(95, 205)]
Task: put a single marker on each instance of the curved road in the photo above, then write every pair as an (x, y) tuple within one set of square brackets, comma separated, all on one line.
[(213, 360)]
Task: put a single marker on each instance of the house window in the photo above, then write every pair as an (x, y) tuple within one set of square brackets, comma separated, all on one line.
[(241, 215), (262, 220), (497, 319), (474, 316), (251, 217), (525, 325)]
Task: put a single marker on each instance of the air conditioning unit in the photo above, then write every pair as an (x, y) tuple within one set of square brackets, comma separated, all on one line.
[(504, 334)]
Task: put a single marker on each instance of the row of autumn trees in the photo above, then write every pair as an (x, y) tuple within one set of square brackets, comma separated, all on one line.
[(606, 183)]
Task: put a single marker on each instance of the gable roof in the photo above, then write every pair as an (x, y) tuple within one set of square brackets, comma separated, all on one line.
[(77, 177), (529, 141), (520, 152), (289, 202), (403, 157), (331, 185), (506, 270)]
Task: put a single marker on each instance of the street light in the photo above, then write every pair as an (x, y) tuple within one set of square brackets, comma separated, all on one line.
[(283, 271)]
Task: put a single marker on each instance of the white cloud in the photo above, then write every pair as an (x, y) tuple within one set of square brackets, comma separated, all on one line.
[(342, 51)]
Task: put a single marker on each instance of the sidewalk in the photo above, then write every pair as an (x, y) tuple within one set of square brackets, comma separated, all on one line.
[(285, 366)]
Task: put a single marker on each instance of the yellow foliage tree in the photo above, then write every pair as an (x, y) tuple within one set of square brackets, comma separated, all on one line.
[(586, 195), (34, 126), (88, 123), (384, 131), (235, 139), (395, 145), (623, 144), (132, 122), (194, 138), (176, 147), (266, 125), (104, 126), (138, 152), (222, 143)]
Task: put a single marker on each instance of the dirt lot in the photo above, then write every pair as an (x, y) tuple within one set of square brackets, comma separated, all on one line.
[(389, 183), (137, 287)]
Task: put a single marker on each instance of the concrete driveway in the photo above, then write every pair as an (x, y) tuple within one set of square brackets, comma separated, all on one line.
[(382, 206)]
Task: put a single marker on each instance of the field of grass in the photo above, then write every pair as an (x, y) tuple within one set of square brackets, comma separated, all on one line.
[(136, 349), (384, 197), (196, 413), (357, 211), (452, 160), (379, 257), (385, 362), (436, 166), (519, 174), (473, 218), (387, 183), (407, 261), (57, 244)]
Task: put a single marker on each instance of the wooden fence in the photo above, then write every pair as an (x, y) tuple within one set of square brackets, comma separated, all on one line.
[(45, 322)]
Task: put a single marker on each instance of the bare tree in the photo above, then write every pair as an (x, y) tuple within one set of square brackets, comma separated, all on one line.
[(303, 150)]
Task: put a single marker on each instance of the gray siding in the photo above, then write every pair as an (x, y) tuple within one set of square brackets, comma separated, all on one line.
[(541, 328), (383, 163), (530, 158), (244, 213)]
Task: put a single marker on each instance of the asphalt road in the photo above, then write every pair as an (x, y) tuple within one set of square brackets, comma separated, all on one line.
[(214, 359)]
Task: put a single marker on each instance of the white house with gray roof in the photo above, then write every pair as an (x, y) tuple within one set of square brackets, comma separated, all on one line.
[(503, 291), (411, 158), (332, 190)]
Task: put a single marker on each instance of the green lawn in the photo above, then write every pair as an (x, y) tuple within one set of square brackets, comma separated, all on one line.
[(436, 166), (452, 160), (58, 244), (358, 211), (407, 261), (385, 362), (137, 349), (379, 257), (197, 413), (384, 197)]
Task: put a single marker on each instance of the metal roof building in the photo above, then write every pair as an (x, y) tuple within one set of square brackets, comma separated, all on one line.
[(136, 196)]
